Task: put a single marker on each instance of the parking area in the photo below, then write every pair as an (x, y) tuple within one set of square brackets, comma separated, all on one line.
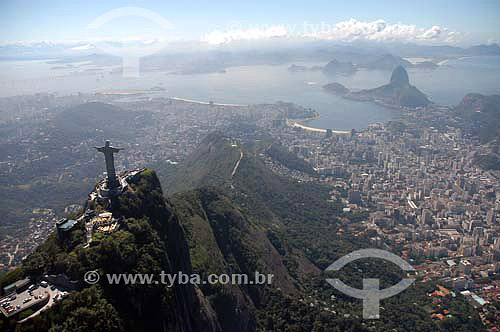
[(38, 297)]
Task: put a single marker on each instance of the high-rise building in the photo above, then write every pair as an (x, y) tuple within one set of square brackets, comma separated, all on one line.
[(426, 217), (490, 217)]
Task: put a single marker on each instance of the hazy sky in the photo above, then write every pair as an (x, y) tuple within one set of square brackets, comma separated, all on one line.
[(468, 21)]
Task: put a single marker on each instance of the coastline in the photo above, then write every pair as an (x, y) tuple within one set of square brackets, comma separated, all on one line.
[(292, 123), (125, 92), (296, 124), (205, 102)]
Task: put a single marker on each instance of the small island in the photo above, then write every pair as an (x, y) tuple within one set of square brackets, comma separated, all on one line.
[(336, 88)]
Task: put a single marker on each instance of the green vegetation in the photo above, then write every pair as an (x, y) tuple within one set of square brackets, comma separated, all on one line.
[(288, 159), (463, 317), (10, 277), (268, 218), (140, 246), (58, 178), (25, 314), (489, 162), (87, 310), (396, 126), (15, 209), (252, 221), (211, 164), (479, 116)]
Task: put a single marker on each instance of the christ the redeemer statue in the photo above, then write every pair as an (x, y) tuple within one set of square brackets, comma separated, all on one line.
[(109, 151)]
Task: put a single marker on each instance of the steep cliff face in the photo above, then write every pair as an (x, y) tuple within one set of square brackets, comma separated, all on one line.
[(399, 77), (224, 240), (150, 240), (147, 200)]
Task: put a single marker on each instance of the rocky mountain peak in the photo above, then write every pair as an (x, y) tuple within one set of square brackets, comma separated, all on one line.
[(399, 77)]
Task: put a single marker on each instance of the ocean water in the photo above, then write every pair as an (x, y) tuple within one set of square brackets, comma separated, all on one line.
[(445, 85)]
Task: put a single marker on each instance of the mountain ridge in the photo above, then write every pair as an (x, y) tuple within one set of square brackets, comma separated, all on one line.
[(245, 219)]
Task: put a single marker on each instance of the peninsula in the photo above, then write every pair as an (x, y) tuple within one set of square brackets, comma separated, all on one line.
[(398, 93)]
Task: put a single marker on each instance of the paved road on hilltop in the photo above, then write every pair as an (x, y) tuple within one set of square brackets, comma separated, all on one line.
[(237, 163)]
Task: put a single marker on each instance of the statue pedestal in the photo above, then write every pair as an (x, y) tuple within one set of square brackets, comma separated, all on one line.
[(104, 191)]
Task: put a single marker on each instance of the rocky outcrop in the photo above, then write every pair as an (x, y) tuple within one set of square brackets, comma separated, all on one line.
[(149, 241), (336, 88), (399, 77), (398, 93)]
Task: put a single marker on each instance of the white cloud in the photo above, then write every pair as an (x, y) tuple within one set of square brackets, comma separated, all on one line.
[(346, 31), (254, 33), (432, 33), (83, 47)]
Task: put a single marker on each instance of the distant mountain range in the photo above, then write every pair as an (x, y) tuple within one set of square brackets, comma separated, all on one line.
[(192, 57), (348, 67), (491, 49), (389, 62), (335, 67), (56, 49)]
